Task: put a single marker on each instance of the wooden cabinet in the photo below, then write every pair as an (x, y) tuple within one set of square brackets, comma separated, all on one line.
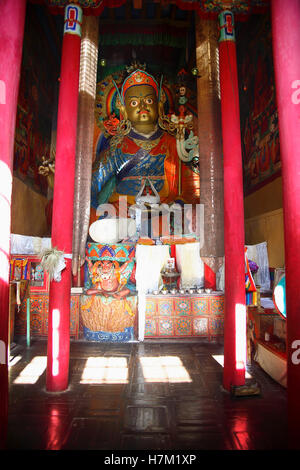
[(27, 269), (169, 316), (18, 293), (39, 316), (268, 328)]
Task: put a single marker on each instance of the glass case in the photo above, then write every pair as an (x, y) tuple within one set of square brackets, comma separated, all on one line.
[(29, 267)]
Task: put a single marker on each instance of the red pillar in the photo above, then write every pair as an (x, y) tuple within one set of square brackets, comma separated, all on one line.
[(62, 219), (12, 21), (286, 40), (234, 238)]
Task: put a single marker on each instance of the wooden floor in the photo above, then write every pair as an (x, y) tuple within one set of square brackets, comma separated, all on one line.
[(141, 396)]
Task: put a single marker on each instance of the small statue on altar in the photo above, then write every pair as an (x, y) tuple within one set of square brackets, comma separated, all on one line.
[(170, 275), (108, 278)]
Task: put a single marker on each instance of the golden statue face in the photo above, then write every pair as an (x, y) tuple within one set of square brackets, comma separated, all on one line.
[(142, 107)]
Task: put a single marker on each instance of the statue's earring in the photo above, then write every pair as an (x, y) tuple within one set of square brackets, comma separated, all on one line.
[(124, 126), (163, 120), (123, 112), (161, 110)]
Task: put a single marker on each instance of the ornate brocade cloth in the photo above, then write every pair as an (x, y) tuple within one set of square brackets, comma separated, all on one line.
[(159, 162)]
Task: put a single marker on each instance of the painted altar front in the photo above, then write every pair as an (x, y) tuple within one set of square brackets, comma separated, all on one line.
[(150, 310), (183, 314)]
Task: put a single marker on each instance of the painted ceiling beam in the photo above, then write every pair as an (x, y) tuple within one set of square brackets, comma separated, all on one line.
[(204, 8)]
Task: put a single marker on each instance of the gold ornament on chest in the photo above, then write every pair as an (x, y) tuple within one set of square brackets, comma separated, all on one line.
[(147, 144)]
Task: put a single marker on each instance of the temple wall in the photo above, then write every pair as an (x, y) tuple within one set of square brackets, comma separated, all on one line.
[(36, 103), (28, 210), (34, 124), (266, 199), (264, 220), (260, 138)]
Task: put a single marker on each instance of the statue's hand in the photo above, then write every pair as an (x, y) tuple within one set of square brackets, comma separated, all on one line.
[(122, 293)]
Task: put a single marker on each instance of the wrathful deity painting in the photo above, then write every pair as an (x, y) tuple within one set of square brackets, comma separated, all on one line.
[(109, 306)]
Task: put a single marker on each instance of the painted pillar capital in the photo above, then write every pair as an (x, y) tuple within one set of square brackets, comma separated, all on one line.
[(73, 19), (226, 25)]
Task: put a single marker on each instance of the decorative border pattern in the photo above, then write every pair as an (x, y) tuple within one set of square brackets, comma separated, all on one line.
[(204, 7), (118, 252), (104, 336)]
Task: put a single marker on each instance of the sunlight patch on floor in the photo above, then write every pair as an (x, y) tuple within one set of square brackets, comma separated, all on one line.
[(13, 360), (104, 370), (220, 360), (32, 372), (164, 369)]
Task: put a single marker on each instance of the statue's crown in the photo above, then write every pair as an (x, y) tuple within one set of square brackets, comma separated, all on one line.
[(139, 77)]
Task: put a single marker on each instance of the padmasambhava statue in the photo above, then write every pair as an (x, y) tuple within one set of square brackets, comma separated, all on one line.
[(140, 149)]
